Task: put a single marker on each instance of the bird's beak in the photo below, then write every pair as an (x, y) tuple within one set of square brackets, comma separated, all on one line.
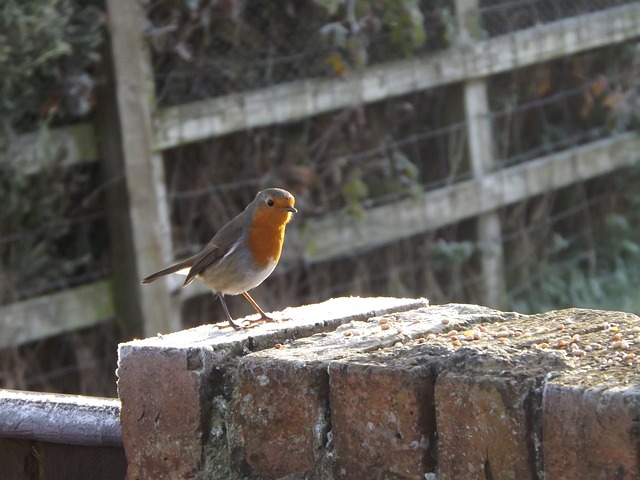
[(291, 209)]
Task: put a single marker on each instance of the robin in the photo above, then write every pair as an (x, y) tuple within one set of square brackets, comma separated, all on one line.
[(243, 253)]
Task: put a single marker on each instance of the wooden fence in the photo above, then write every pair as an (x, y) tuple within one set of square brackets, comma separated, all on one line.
[(141, 239)]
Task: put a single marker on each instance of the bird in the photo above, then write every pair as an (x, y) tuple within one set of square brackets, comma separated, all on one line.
[(243, 253)]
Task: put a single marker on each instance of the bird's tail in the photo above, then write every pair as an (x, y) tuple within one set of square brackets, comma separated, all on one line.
[(184, 265)]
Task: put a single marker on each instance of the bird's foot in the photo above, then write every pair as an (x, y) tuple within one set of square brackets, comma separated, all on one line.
[(261, 319), (235, 325), (266, 318), (251, 323)]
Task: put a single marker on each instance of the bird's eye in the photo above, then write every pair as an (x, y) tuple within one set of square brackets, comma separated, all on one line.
[(270, 202)]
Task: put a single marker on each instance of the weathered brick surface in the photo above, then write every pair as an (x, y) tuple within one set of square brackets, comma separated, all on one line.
[(163, 412), (365, 398), (591, 417), (281, 411), (382, 420), (175, 390), (484, 425), (491, 420), (281, 390), (593, 431)]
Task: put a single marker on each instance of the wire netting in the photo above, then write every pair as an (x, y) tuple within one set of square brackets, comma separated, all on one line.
[(207, 49), (349, 160), (53, 230), (346, 161), (566, 103), (499, 17), (53, 233), (577, 246), (80, 362)]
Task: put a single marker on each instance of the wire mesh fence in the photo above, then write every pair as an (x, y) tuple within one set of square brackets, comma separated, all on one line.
[(207, 49), (346, 161), (53, 230), (499, 17), (350, 160), (565, 103), (80, 362), (575, 246)]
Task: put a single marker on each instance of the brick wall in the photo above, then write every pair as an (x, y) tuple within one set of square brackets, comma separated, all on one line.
[(383, 388)]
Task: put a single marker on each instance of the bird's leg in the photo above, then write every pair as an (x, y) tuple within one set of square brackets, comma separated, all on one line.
[(226, 311), (263, 316)]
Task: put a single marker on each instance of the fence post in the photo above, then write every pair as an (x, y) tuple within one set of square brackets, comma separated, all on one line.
[(146, 228), (488, 225)]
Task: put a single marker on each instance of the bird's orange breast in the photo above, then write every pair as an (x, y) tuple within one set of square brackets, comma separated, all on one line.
[(266, 235)]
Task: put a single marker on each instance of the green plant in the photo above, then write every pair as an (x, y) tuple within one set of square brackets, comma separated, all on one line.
[(208, 48), (600, 272), (46, 50)]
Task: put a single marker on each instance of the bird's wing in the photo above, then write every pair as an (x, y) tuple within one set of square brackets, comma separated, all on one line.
[(208, 256), (222, 242)]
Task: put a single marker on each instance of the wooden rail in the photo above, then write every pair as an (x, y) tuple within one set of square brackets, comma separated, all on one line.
[(56, 313)]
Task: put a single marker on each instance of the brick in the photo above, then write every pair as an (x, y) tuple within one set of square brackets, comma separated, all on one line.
[(592, 431), (483, 424), (162, 401), (281, 411), (382, 420)]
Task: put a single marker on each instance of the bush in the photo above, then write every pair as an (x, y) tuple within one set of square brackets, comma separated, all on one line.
[(47, 49)]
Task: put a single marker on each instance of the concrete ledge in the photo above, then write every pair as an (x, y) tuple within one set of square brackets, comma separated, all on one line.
[(457, 391)]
